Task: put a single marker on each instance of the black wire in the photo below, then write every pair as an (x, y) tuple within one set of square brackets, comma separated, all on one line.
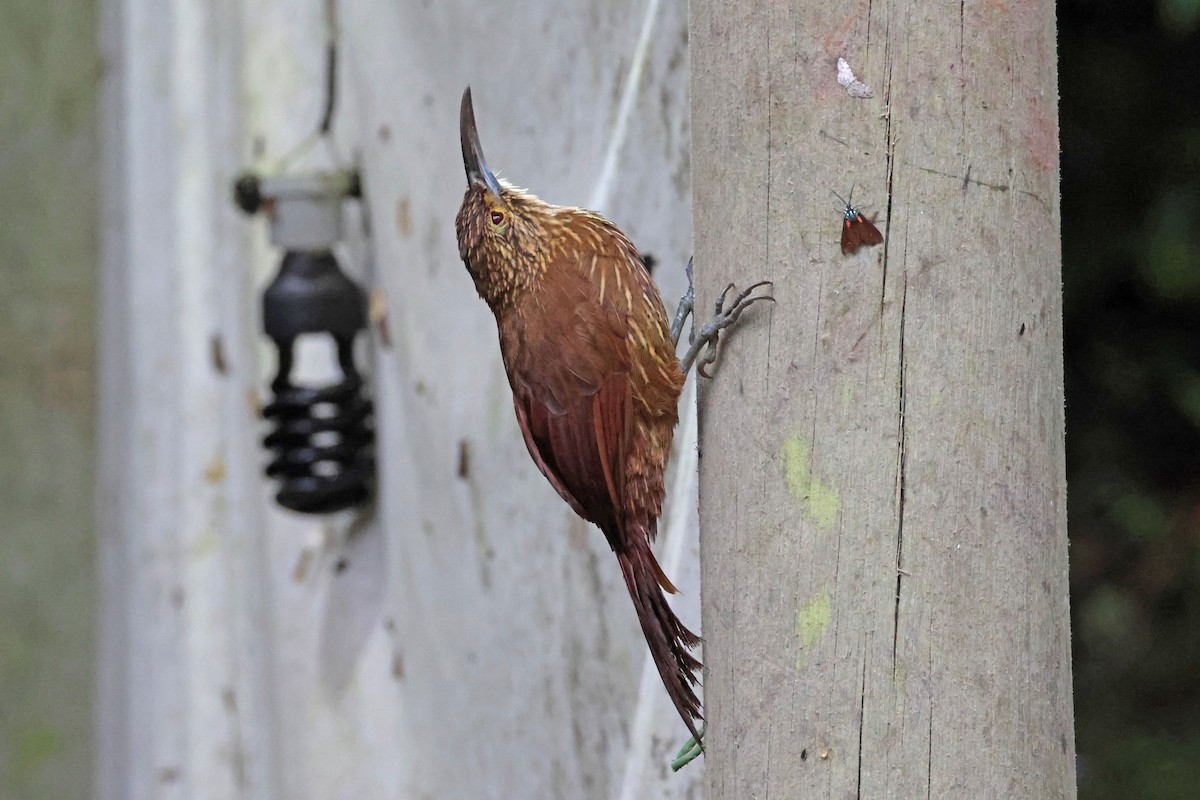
[(330, 88)]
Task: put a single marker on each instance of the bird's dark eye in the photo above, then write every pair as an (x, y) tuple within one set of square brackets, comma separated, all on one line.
[(497, 218)]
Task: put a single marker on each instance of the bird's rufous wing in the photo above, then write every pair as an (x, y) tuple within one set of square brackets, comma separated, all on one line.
[(572, 396), (569, 367)]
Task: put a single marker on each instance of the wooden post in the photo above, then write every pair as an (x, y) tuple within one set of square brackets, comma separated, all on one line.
[(883, 542)]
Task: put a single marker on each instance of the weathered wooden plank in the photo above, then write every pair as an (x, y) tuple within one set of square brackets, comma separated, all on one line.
[(882, 485)]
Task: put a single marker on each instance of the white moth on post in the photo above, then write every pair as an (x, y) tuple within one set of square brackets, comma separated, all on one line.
[(854, 87)]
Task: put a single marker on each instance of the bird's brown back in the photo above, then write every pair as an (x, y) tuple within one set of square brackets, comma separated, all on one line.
[(585, 313)]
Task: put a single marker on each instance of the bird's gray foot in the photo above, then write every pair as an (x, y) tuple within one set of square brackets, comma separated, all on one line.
[(684, 309), (707, 338)]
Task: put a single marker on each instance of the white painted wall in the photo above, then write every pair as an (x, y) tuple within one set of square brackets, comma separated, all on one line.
[(479, 642)]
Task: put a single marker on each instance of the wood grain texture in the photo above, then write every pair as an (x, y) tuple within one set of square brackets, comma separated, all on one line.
[(883, 540)]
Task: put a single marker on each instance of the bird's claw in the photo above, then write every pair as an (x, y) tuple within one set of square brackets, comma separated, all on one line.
[(703, 349)]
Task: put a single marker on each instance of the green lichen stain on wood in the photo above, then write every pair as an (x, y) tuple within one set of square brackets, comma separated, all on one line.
[(811, 621), (820, 500)]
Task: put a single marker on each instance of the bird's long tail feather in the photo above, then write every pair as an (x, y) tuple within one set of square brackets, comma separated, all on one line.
[(667, 637)]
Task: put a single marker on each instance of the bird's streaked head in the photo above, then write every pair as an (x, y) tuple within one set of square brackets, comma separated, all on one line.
[(494, 220), (485, 217), (508, 238)]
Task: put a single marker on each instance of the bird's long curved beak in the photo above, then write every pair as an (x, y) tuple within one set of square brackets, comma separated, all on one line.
[(472, 152)]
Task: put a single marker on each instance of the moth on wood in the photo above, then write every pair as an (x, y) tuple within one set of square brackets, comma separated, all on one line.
[(854, 87), (857, 230)]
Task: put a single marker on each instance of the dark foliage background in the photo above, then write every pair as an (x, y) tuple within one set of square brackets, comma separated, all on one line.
[(1130, 105)]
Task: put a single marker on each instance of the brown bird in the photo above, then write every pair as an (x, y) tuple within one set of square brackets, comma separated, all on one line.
[(594, 376)]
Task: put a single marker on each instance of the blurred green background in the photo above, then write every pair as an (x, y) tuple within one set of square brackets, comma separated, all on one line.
[(49, 69), (1129, 75), (1130, 104)]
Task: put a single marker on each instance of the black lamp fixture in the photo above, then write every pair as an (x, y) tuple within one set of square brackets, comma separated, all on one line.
[(322, 441)]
